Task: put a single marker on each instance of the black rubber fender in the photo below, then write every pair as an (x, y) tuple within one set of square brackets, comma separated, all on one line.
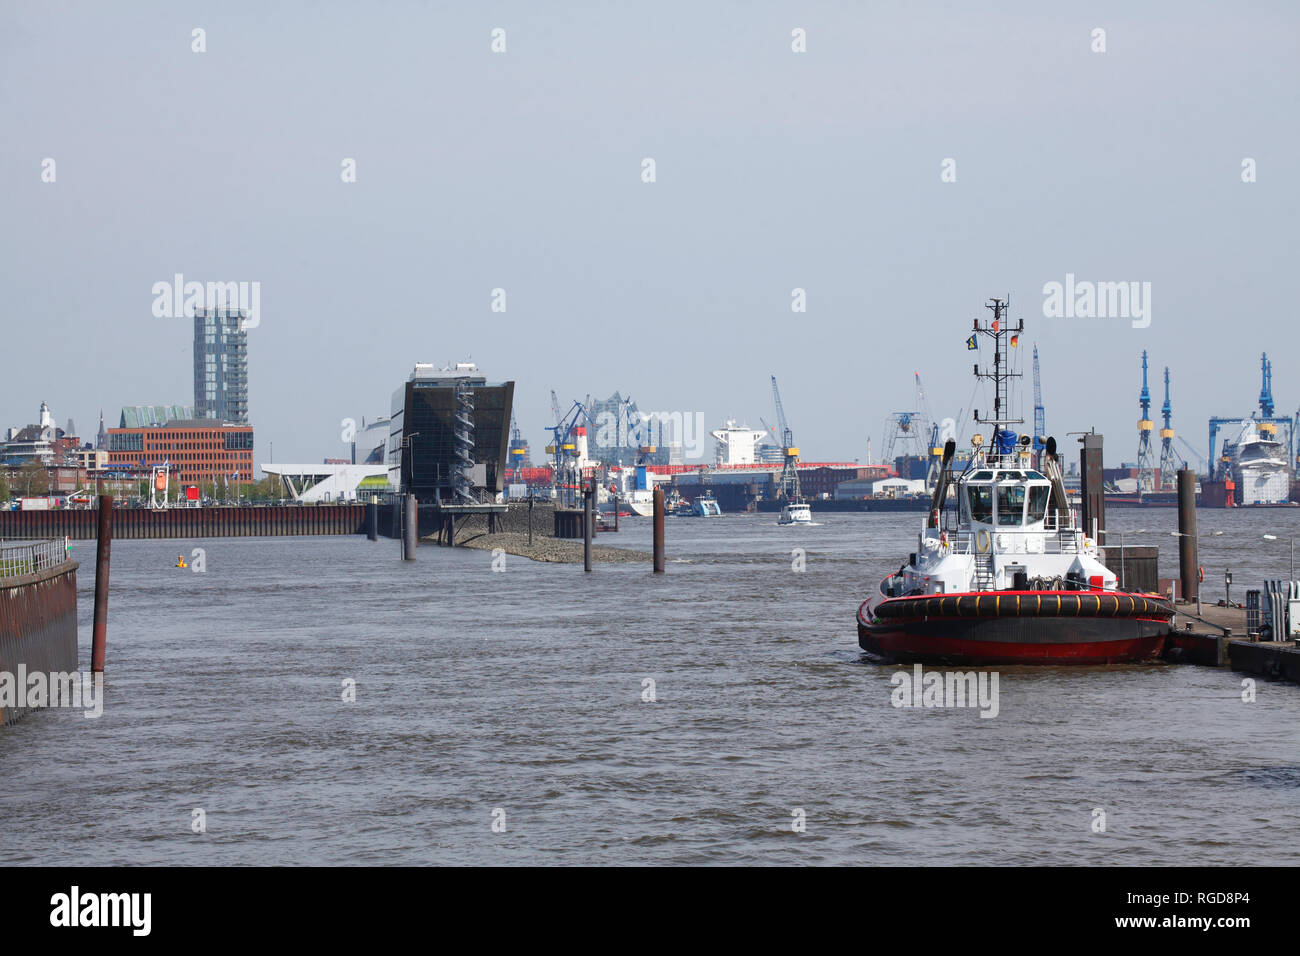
[(1026, 604)]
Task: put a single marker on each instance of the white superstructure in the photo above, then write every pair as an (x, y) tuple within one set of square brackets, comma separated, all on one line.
[(737, 444), (1259, 466), (623, 482), (1008, 530)]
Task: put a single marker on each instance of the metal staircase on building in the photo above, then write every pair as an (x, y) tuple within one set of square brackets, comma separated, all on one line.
[(463, 469)]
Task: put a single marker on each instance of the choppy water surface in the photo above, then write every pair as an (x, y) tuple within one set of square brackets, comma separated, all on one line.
[(522, 690)]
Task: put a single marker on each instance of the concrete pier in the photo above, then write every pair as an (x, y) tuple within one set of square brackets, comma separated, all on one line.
[(1216, 638)]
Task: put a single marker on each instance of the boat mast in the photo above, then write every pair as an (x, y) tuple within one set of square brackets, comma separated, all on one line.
[(1002, 442)]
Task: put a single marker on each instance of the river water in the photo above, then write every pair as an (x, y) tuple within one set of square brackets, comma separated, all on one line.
[(515, 697)]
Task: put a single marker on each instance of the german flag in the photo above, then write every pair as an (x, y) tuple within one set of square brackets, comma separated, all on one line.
[(1015, 341)]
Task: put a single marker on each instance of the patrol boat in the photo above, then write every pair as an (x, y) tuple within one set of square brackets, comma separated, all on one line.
[(795, 512), (1002, 573)]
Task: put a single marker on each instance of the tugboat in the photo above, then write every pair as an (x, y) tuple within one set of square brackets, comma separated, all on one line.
[(1002, 573), (675, 504)]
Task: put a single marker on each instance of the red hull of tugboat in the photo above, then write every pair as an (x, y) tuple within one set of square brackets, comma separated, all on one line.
[(1016, 627)]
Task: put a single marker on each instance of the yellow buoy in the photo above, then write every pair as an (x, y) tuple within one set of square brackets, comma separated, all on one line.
[(180, 561)]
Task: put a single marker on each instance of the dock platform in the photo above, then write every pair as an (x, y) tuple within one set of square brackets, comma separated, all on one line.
[(1217, 638)]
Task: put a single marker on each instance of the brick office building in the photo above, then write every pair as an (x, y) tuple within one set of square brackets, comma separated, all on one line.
[(197, 450)]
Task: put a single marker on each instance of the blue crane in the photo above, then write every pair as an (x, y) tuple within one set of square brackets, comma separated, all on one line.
[(1265, 417), (789, 486), (1146, 459), (562, 451), (1266, 387), (1170, 461)]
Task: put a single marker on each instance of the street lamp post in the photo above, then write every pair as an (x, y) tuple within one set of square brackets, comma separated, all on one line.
[(1208, 534), (1123, 559), (1273, 537)]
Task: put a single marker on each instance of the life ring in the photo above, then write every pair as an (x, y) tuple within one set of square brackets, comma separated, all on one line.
[(982, 541), (1200, 574)]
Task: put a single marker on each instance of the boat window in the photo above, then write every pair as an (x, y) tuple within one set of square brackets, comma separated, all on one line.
[(1034, 474), (1038, 495), (1010, 476), (980, 498), (1011, 504), (981, 476)]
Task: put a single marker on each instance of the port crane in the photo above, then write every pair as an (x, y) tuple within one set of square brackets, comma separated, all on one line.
[(563, 451), (1201, 460), (638, 433), (1170, 460), (518, 448), (1264, 419), (1040, 413), (789, 485), (1146, 459), (902, 431), (934, 446)]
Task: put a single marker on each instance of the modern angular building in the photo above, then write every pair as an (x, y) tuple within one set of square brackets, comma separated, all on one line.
[(448, 435), (221, 365)]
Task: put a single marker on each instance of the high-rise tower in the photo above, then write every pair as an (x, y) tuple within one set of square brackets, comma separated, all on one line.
[(221, 365)]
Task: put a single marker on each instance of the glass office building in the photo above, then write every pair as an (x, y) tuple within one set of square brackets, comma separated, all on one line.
[(221, 365)]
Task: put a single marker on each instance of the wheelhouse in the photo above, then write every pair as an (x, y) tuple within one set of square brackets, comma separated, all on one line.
[(1005, 499)]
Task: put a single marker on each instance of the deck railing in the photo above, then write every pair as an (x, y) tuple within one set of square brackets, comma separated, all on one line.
[(31, 557), (1054, 542)]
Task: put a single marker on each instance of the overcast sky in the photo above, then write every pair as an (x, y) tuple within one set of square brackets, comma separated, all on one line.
[(775, 170)]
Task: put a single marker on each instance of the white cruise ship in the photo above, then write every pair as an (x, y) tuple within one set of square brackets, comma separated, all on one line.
[(1259, 465)]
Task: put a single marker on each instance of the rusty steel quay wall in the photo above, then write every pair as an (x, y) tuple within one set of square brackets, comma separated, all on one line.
[(38, 615), (236, 522)]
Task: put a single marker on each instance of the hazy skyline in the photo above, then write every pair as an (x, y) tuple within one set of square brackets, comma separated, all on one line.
[(775, 170)]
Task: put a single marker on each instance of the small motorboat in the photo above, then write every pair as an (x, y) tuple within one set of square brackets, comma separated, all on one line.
[(795, 512)]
